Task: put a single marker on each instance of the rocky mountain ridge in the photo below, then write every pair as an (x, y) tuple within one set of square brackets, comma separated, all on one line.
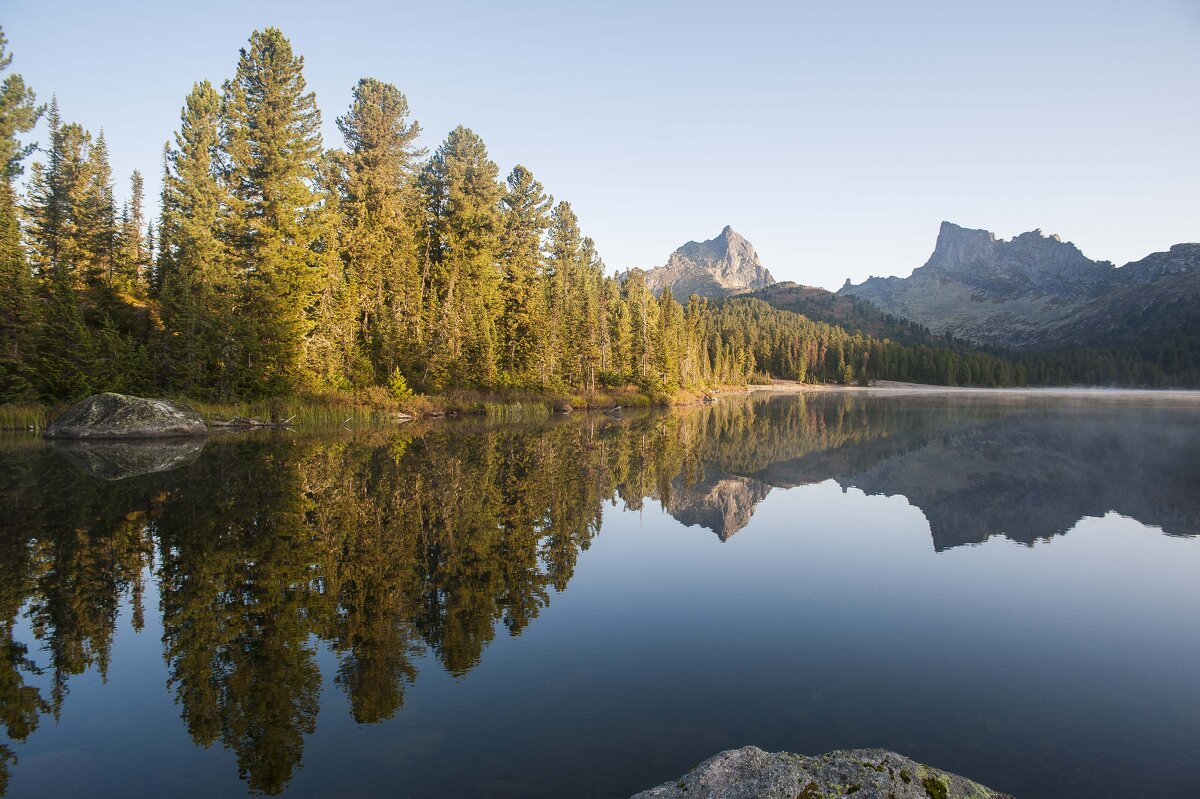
[(1037, 291), (719, 267)]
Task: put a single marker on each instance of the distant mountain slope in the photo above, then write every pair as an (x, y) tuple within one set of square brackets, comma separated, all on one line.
[(844, 310), (718, 267), (1039, 292), (1152, 299)]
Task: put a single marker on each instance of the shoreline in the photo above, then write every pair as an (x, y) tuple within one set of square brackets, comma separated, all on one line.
[(897, 388), (35, 416)]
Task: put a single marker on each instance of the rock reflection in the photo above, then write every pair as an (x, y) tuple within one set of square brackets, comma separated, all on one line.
[(389, 546), (119, 460)]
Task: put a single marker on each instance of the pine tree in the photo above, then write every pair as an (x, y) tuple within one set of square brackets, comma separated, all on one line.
[(272, 142), (523, 319), (620, 335), (377, 201), (333, 357), (196, 284), (48, 204), (670, 338), (589, 315), (563, 266), (18, 114), (70, 232), (132, 259), (460, 240), (643, 324), (96, 218)]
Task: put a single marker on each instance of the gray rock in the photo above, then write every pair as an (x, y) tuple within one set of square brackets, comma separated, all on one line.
[(751, 773), (1181, 259), (718, 267), (107, 416), (118, 460)]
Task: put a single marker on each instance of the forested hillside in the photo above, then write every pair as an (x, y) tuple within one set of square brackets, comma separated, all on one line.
[(279, 266), (845, 311)]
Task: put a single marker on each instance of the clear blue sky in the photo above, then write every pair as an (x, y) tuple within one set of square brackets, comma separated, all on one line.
[(835, 136)]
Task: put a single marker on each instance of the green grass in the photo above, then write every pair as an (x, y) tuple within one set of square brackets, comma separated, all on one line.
[(297, 412), (526, 405), (24, 416), (528, 410), (367, 408)]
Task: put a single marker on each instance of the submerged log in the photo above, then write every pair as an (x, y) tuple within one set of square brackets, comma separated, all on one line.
[(242, 423)]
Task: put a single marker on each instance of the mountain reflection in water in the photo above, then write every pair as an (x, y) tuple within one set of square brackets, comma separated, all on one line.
[(388, 545)]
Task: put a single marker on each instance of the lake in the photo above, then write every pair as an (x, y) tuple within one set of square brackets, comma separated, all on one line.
[(1004, 586)]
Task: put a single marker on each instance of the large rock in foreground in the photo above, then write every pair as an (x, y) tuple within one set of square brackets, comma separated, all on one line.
[(108, 416), (751, 773)]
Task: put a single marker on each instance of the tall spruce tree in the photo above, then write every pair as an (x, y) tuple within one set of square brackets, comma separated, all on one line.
[(68, 207), (588, 303), (132, 259), (460, 241), (643, 325), (195, 280), (563, 267), (376, 178), (526, 218), (96, 217), (52, 187), (272, 143), (616, 365), (19, 112)]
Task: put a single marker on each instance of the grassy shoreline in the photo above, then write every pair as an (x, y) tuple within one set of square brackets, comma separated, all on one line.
[(377, 407), (374, 407)]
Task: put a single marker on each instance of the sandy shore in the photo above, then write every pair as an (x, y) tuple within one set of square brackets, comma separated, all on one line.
[(897, 388)]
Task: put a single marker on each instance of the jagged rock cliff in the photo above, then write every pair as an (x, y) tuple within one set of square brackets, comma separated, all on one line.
[(718, 267), (1033, 290)]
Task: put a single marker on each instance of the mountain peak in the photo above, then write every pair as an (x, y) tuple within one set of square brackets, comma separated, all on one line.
[(1027, 258), (723, 265), (1018, 292)]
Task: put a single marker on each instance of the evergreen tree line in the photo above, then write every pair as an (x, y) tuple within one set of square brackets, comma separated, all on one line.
[(1163, 361), (279, 266)]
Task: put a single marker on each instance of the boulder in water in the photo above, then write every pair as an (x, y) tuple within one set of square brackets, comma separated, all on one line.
[(108, 416), (751, 773)]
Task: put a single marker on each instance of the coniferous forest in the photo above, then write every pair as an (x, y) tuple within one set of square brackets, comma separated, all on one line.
[(279, 266)]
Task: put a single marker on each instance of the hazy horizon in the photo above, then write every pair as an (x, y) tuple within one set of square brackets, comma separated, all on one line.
[(835, 139)]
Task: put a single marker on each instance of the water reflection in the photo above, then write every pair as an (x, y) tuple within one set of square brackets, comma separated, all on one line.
[(118, 460), (384, 546)]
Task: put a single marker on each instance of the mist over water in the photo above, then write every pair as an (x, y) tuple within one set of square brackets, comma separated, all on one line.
[(999, 586)]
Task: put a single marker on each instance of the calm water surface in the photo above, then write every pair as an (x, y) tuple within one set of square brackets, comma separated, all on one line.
[(1009, 589)]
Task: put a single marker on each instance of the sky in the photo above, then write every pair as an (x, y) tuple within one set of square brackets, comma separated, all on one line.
[(835, 136)]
